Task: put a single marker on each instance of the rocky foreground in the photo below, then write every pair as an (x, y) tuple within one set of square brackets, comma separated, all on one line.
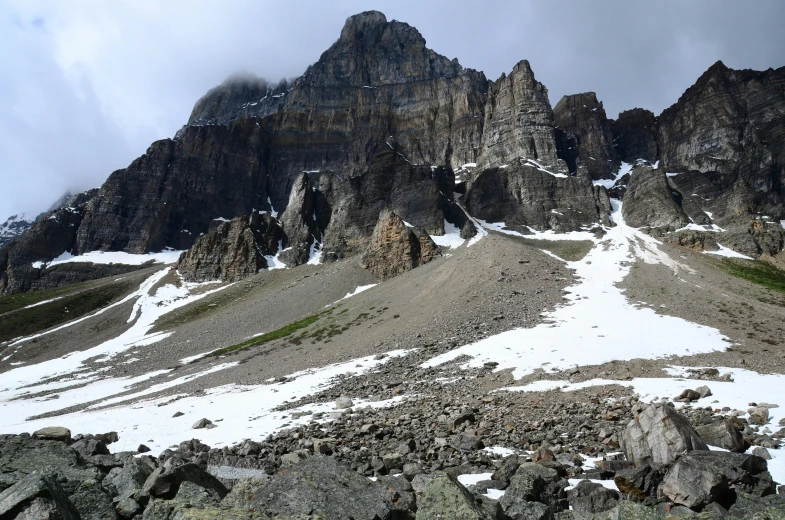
[(396, 469)]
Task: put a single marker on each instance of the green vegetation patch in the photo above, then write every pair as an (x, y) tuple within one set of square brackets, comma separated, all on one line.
[(267, 337), (758, 272), (17, 321), (570, 250)]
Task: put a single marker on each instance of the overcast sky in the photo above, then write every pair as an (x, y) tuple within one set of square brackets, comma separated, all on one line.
[(88, 85)]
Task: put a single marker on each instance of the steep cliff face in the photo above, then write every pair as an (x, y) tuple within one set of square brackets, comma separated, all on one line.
[(170, 194), (395, 248), (731, 122), (518, 121), (635, 135), (582, 117), (521, 195), (233, 251), (239, 97)]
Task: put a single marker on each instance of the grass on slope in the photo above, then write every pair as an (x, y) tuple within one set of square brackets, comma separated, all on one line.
[(283, 332), (23, 322), (757, 272), (19, 301)]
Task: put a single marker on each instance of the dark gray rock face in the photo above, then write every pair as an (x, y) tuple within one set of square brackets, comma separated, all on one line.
[(658, 435), (234, 250), (649, 200), (582, 117), (395, 248), (322, 487), (518, 121), (635, 135), (522, 195), (239, 97), (299, 222), (731, 122)]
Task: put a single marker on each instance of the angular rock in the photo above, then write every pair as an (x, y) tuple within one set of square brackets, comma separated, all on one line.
[(722, 434), (165, 481), (244, 491), (88, 447), (322, 486), (693, 484), (37, 497), (639, 483), (53, 433), (746, 473), (534, 483), (129, 480), (299, 223), (395, 248), (590, 497), (658, 435), (203, 423)]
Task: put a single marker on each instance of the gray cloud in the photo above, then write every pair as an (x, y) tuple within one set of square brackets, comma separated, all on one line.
[(89, 86)]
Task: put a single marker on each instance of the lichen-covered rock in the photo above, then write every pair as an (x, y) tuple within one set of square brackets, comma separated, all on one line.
[(658, 435), (518, 121), (446, 498), (649, 200), (232, 251), (582, 117), (321, 486), (590, 497), (395, 248), (693, 484), (534, 483)]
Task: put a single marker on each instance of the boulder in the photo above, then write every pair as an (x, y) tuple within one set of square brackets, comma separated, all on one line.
[(444, 497), (244, 491), (53, 433), (746, 473), (534, 483), (658, 435), (590, 497), (322, 486), (165, 481), (176, 510), (203, 423), (639, 483), (129, 480), (722, 434), (694, 484), (395, 247), (89, 447), (92, 501), (37, 496)]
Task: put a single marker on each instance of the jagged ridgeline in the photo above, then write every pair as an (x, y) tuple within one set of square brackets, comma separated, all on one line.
[(381, 121)]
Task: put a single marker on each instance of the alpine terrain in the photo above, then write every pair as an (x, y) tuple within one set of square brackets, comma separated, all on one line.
[(393, 288)]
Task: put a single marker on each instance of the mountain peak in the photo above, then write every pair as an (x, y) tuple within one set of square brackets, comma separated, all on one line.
[(358, 25)]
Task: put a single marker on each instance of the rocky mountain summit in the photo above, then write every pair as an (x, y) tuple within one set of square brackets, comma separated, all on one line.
[(379, 102)]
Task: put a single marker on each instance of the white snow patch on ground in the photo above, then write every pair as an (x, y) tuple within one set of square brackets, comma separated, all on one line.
[(726, 252), (114, 257), (190, 359), (501, 227), (624, 169), (540, 167), (274, 261), (580, 332), (315, 256), (358, 290), (451, 238), (494, 494), (240, 412), (44, 302), (500, 451), (470, 479)]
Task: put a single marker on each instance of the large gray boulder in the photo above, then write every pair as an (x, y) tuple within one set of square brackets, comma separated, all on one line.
[(590, 497), (129, 480), (534, 483), (166, 480), (693, 484), (321, 486), (444, 497), (658, 435), (37, 497), (53, 433), (722, 434)]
